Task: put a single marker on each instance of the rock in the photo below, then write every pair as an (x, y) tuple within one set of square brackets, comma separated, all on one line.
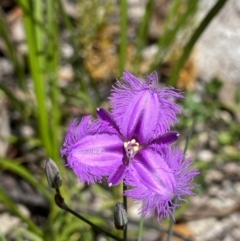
[(236, 233), (201, 226), (205, 155), (218, 47), (9, 222), (66, 75), (6, 67), (214, 175)]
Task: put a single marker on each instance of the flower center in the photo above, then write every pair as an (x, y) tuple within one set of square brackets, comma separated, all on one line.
[(131, 148)]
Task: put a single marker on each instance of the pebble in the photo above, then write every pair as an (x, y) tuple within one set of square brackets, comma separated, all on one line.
[(214, 176), (199, 227), (27, 131), (67, 51), (205, 155), (236, 233), (9, 222), (66, 75), (6, 67)]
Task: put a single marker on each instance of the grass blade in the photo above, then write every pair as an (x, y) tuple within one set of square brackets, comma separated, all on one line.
[(189, 46), (123, 36), (12, 207), (7, 164), (12, 52), (34, 38)]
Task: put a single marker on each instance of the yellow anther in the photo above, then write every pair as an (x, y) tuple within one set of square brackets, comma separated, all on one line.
[(135, 149)]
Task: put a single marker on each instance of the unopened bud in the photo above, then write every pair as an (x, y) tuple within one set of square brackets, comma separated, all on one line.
[(120, 216), (53, 174)]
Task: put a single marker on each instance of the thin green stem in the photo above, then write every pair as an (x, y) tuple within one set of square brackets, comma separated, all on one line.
[(189, 135), (144, 27), (189, 46), (171, 29), (170, 229), (17, 103), (37, 75), (123, 36), (28, 11), (68, 25), (60, 202), (53, 56), (140, 229), (125, 205)]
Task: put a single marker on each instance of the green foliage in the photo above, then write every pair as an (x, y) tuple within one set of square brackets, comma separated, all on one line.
[(46, 107)]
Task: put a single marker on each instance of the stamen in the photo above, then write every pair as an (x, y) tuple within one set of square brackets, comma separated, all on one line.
[(135, 149), (133, 141), (131, 148)]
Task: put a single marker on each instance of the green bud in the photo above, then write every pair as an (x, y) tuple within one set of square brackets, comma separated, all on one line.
[(53, 174), (120, 216)]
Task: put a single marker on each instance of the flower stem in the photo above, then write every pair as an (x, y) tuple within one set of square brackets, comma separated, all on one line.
[(125, 205), (170, 230), (123, 35), (140, 229), (60, 202)]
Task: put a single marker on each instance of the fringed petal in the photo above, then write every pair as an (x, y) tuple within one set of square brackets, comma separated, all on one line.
[(93, 149), (151, 170), (141, 110), (155, 203)]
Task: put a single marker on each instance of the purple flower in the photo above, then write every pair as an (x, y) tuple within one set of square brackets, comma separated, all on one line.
[(132, 144), (174, 176), (96, 149)]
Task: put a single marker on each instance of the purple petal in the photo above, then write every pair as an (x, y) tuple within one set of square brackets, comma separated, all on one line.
[(139, 119), (182, 171), (117, 176), (167, 138), (75, 132), (154, 202), (93, 149), (141, 110), (153, 172), (95, 156), (104, 115)]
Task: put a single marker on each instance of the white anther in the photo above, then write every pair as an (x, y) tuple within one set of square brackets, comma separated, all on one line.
[(133, 141), (131, 148)]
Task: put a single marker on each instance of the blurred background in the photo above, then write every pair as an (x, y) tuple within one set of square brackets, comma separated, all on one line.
[(58, 61)]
